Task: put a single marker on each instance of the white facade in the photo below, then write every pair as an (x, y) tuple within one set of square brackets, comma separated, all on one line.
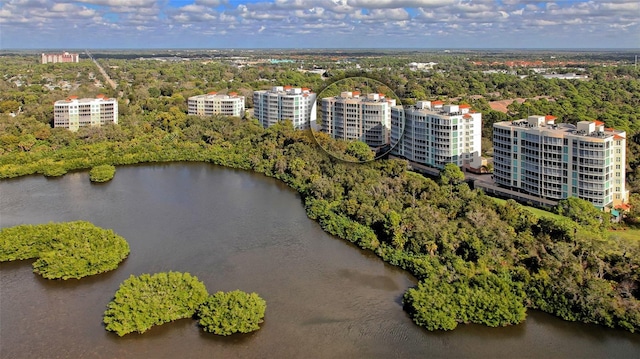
[(436, 134), (285, 103), (557, 161), (216, 104), (351, 116), (74, 113)]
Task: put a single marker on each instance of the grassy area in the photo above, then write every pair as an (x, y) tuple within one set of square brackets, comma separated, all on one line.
[(627, 234), (537, 211)]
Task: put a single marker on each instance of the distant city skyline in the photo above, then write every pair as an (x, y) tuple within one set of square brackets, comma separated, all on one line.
[(141, 24)]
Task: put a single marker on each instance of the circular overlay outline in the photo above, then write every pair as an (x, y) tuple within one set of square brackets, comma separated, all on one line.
[(318, 102)]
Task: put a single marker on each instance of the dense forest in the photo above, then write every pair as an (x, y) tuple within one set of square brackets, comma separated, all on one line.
[(477, 260)]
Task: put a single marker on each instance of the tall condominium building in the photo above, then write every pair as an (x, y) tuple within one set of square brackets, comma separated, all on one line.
[(285, 103), (74, 113), (557, 161), (216, 104), (436, 134), (60, 57), (351, 116)]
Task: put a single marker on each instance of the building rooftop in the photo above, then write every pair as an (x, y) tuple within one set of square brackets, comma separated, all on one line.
[(439, 108), (75, 99), (212, 95), (594, 129), (287, 90), (356, 96)]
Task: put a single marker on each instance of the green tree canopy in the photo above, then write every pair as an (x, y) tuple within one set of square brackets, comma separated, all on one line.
[(102, 173), (451, 175), (147, 300), (232, 312), (64, 250)]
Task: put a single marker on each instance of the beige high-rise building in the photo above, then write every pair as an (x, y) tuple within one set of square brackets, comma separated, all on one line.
[(74, 113), (59, 57), (556, 161), (352, 116), (216, 104)]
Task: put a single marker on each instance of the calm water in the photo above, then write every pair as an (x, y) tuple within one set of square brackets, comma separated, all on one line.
[(238, 230)]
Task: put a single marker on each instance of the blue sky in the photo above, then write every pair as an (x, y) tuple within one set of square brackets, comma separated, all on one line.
[(98, 24)]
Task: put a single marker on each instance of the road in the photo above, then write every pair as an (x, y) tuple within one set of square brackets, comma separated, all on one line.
[(102, 71)]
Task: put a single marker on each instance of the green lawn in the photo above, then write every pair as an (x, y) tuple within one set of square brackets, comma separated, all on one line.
[(537, 211), (627, 234), (623, 234)]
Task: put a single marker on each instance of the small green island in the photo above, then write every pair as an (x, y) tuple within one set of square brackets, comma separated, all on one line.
[(64, 250), (102, 173), (232, 312), (148, 300)]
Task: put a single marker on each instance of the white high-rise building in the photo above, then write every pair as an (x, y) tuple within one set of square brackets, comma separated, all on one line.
[(74, 113), (285, 103), (351, 116), (436, 134), (557, 161), (216, 104)]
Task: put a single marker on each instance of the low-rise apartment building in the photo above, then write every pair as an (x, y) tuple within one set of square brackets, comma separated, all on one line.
[(434, 134), (351, 116), (74, 113), (556, 161), (216, 104), (285, 103)]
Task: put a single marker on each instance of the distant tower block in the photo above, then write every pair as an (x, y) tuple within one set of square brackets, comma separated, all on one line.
[(59, 57)]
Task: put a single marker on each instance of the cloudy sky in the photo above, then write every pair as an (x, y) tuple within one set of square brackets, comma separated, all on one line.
[(319, 24)]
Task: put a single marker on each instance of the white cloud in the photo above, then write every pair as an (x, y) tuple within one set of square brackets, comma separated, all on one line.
[(120, 3), (381, 15), (211, 3), (343, 21), (62, 7), (396, 4)]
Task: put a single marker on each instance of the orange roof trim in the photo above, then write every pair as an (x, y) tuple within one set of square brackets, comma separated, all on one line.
[(467, 116), (465, 105), (618, 137), (437, 103), (212, 93), (624, 206), (550, 118), (599, 123), (233, 94)]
